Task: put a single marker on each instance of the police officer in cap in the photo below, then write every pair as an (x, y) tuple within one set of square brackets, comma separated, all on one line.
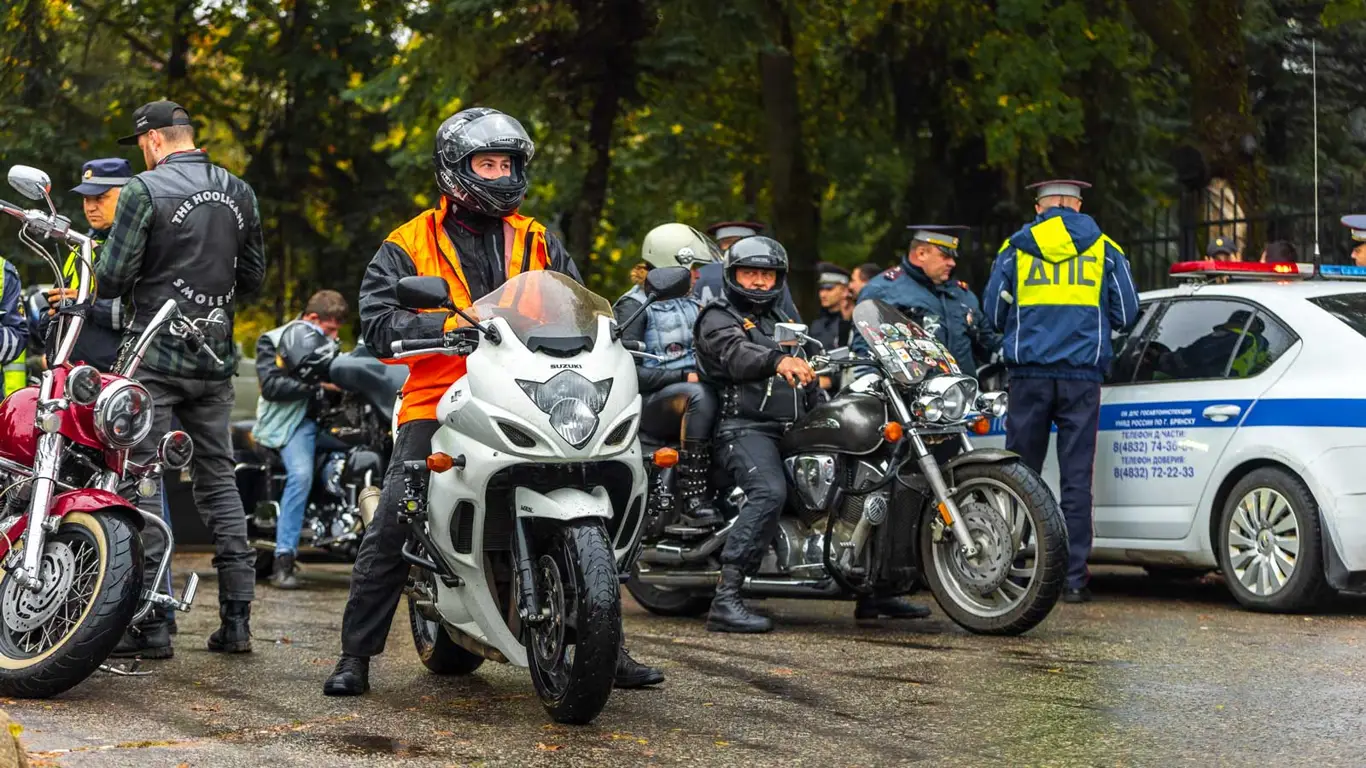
[(923, 287), (101, 182), (707, 286), (1223, 249), (1357, 224), (1058, 289)]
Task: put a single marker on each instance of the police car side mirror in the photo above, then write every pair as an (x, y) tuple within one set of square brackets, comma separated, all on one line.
[(30, 182), (423, 293), (665, 283)]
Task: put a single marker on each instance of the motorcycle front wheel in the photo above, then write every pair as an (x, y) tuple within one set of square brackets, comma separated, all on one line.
[(572, 653), (1017, 576), (53, 639)]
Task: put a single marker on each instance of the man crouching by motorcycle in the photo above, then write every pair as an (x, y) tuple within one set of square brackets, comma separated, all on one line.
[(676, 402), (764, 388), (290, 363), (475, 240)]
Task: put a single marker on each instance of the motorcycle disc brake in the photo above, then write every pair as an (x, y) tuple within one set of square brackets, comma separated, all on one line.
[(25, 611), (995, 545)]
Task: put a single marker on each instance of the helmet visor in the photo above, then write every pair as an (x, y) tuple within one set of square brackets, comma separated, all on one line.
[(497, 133)]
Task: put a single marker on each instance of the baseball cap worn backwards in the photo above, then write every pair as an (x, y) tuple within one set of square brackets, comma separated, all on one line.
[(103, 174), (155, 115)]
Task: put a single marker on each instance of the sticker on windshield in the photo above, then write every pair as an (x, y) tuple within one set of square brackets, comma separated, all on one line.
[(927, 346), (903, 355)]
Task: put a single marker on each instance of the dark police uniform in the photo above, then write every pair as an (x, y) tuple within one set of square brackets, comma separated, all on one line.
[(949, 310), (1356, 223), (1057, 290)]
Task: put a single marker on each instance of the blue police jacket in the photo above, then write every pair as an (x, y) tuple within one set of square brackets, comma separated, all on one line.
[(1058, 289), (949, 311)]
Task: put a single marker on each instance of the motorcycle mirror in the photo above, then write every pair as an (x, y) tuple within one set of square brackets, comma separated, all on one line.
[(667, 283), (423, 293), (218, 325), (788, 334), (30, 182)]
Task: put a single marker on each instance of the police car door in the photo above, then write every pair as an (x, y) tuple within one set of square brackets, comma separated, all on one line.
[(1170, 413)]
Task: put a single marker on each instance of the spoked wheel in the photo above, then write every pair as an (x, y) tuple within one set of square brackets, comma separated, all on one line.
[(439, 653), (573, 651), (1269, 543), (1017, 575), (54, 638)]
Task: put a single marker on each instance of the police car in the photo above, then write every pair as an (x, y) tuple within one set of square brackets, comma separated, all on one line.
[(1233, 432)]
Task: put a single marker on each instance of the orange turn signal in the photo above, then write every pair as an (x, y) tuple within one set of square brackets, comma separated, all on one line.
[(892, 432), (665, 458), (440, 462), (982, 426)]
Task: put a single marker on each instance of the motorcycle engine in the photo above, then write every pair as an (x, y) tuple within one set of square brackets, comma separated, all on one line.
[(332, 474)]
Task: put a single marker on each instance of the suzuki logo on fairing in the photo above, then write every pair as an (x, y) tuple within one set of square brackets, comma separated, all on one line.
[(558, 366)]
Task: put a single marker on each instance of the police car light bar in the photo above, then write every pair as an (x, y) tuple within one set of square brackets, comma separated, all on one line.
[(1207, 268), (1339, 272)]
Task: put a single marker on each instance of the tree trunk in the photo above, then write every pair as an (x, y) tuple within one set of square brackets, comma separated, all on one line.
[(583, 222), (796, 209), (177, 66)]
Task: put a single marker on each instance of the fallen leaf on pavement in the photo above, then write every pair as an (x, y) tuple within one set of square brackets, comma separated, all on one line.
[(548, 747)]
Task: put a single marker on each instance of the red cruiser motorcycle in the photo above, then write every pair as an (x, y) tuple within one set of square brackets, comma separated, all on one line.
[(71, 556)]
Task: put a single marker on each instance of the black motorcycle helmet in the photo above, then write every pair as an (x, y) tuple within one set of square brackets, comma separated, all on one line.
[(305, 353), (468, 133), (755, 252)]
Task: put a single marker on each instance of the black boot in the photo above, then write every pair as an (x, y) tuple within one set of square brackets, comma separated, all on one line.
[(633, 674), (888, 608), (234, 634), (728, 612), (168, 614), (285, 575), (148, 640), (694, 465), (351, 677)]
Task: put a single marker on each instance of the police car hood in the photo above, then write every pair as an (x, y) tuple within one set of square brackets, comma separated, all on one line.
[(1058, 234)]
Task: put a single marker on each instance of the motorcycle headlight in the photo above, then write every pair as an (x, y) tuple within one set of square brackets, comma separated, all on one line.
[(956, 394), (123, 414), (83, 385), (992, 404), (572, 403), (928, 408)]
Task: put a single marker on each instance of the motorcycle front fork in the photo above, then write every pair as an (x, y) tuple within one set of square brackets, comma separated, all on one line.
[(929, 467)]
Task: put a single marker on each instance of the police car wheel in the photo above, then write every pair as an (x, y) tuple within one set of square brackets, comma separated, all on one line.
[(1269, 545)]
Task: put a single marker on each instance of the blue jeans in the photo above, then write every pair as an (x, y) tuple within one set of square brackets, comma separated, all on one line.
[(298, 457)]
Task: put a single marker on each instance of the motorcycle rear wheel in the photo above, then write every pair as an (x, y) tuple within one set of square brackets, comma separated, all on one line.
[(1037, 560), (662, 601), (572, 655), (54, 639)]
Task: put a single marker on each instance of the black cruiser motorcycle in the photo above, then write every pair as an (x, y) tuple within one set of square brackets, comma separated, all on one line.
[(888, 493), (355, 439)]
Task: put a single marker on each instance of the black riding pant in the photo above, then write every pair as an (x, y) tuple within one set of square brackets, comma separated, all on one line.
[(685, 409), (752, 463), (380, 572)]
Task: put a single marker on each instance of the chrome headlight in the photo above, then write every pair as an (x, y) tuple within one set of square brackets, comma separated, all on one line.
[(83, 385), (992, 404), (572, 403), (123, 414), (175, 450), (956, 395)]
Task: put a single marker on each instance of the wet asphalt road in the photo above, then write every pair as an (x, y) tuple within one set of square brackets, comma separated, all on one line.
[(1150, 674)]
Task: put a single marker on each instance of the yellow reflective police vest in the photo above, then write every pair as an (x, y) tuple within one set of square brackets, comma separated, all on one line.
[(1076, 279), (16, 370)]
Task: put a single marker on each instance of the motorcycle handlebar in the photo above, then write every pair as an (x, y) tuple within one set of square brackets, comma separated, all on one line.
[(409, 346)]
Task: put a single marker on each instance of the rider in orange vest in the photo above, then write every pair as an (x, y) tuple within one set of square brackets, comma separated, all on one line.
[(476, 240)]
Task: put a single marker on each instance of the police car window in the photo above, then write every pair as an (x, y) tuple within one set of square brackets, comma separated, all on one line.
[(1350, 308), (1195, 339), (1264, 340), (1129, 346)]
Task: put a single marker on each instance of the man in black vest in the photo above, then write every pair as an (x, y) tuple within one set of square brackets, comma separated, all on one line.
[(188, 230)]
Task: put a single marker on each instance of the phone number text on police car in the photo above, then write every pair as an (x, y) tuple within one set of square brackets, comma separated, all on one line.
[(1154, 473)]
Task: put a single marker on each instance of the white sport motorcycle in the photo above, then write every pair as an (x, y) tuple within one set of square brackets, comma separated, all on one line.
[(531, 501)]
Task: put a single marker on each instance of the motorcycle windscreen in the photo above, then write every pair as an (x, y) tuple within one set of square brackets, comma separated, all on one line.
[(547, 311), (905, 350)]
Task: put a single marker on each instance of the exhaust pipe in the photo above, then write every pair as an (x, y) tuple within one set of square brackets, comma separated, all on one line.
[(673, 554), (757, 587), (367, 502)]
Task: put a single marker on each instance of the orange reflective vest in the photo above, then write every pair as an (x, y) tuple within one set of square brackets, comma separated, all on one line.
[(433, 254)]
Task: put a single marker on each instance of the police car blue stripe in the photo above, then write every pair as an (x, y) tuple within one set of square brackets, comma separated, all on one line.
[(1189, 414)]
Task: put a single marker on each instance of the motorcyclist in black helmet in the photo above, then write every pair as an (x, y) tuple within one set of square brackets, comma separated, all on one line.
[(764, 387)]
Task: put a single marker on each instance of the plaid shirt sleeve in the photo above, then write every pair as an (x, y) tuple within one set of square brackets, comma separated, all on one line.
[(120, 259)]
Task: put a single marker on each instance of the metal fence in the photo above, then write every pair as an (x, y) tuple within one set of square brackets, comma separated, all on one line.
[(1179, 226)]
